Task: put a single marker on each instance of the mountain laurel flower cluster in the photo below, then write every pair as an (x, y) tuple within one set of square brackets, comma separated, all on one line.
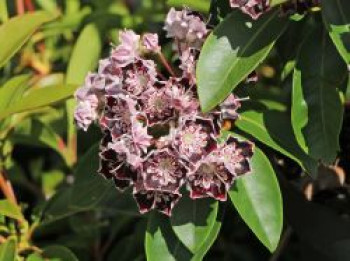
[(155, 138), (253, 8)]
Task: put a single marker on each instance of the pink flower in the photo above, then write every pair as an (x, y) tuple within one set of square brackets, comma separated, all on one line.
[(163, 171), (157, 105), (128, 51), (228, 109), (150, 42), (113, 165), (85, 114), (186, 28), (118, 114), (155, 138), (214, 175), (195, 139), (159, 200), (141, 77), (254, 8)]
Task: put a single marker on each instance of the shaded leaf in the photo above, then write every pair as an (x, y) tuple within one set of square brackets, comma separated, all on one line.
[(193, 220), (336, 15), (18, 30), (273, 128), (161, 241), (59, 253), (232, 52), (89, 187), (317, 107), (258, 200)]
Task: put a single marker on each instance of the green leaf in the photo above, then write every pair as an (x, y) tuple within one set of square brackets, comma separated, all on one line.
[(17, 31), (336, 16), (273, 128), (198, 5), (85, 55), (80, 64), (59, 253), (193, 220), (4, 16), (232, 52), (36, 132), (37, 98), (8, 250), (161, 241), (89, 187), (34, 257), (58, 207), (211, 237), (317, 109), (258, 200), (12, 90), (9, 209)]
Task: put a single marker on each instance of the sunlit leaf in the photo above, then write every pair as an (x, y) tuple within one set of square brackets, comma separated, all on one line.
[(232, 52), (17, 31), (37, 98), (9, 209), (257, 198)]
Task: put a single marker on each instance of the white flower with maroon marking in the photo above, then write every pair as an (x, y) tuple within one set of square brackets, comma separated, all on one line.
[(128, 51), (140, 77), (157, 105), (253, 8), (163, 171), (195, 139), (118, 114), (214, 175)]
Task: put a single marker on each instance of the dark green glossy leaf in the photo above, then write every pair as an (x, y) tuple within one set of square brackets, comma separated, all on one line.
[(89, 187), (8, 250), (59, 253), (37, 98), (257, 198), (232, 51), (193, 220), (273, 128), (9, 209), (211, 237), (317, 108), (58, 207), (161, 241), (17, 31), (12, 90), (336, 15)]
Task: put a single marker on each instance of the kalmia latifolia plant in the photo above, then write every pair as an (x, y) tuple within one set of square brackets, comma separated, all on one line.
[(155, 137)]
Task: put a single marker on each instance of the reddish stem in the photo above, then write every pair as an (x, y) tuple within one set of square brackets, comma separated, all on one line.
[(20, 7), (166, 64), (29, 5), (7, 189)]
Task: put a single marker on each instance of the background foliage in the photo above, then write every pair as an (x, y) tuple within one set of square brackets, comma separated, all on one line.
[(295, 203)]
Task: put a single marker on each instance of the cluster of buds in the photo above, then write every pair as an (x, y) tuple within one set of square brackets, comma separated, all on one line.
[(155, 138), (253, 8)]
